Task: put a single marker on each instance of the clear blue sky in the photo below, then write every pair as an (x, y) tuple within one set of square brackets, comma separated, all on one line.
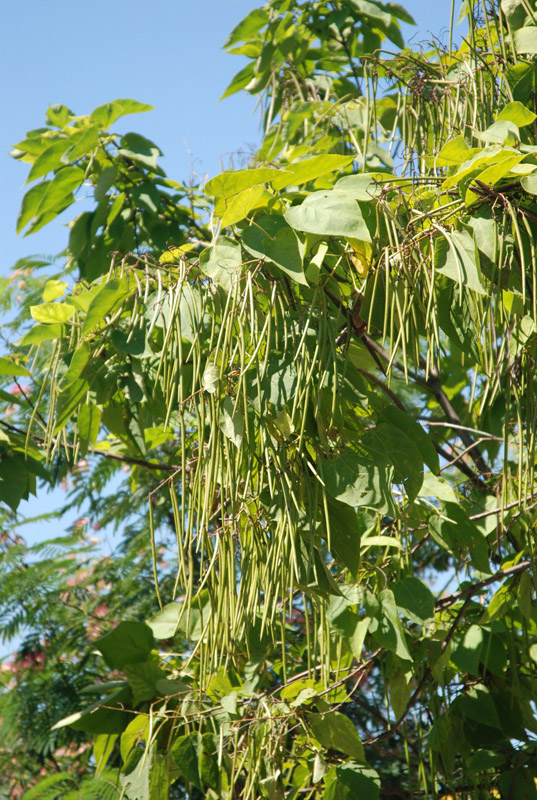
[(167, 53)]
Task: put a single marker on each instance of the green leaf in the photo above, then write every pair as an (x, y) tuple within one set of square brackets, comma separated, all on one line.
[(52, 312), (500, 605), (524, 595), (14, 480), (336, 731), (41, 333), (248, 27), (529, 182), (526, 39), (59, 189), (455, 152), (222, 262), (79, 359), (231, 421), (364, 186), (106, 114), (149, 780), (49, 159), (104, 302), (466, 651), (8, 367), (241, 204), (444, 737), (389, 444), (462, 534), (164, 623), (344, 535), (58, 115), (30, 204), (106, 716), (347, 624), (140, 150), (53, 289), (517, 113), (502, 132), (143, 678), (128, 643), (353, 781), (400, 690), (103, 746), (483, 760), (147, 197), (105, 182), (439, 488), (329, 213), (456, 256), (299, 172), (186, 752), (211, 377), (239, 81), (272, 239), (414, 431), (231, 183), (414, 599), (478, 705), (386, 626), (82, 144), (89, 422), (357, 481)]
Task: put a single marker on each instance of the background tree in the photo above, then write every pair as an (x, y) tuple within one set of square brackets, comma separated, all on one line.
[(322, 396)]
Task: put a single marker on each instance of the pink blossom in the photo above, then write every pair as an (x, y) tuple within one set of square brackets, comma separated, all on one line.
[(102, 610), (17, 389)]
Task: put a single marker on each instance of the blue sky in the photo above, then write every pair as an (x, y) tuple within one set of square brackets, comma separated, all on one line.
[(167, 53)]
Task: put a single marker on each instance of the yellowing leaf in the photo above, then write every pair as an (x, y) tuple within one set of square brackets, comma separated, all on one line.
[(53, 289), (242, 203), (52, 312), (304, 171), (230, 183)]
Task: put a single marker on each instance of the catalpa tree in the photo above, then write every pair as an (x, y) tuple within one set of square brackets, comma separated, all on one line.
[(305, 394)]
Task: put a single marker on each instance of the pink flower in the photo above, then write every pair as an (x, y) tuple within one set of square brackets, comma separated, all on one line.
[(102, 610), (18, 389)]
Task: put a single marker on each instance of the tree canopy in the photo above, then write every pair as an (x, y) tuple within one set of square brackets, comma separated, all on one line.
[(304, 394)]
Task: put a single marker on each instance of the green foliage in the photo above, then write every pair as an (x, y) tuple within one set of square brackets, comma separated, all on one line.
[(305, 394)]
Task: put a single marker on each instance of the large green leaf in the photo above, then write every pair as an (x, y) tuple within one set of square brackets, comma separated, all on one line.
[(231, 421), (142, 151), (299, 172), (106, 299), (390, 445), (456, 256), (336, 731), (52, 312), (8, 367), (526, 39), (357, 480), (222, 262), (106, 114), (231, 183), (386, 626), (352, 780), (414, 600), (128, 643), (329, 213), (272, 239)]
